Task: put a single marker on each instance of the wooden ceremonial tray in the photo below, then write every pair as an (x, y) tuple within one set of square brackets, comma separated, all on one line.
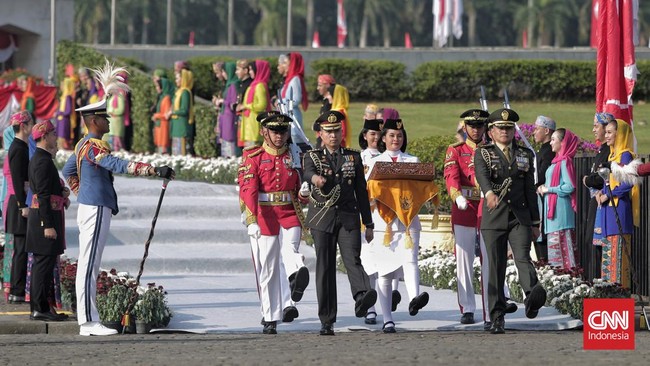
[(383, 170)]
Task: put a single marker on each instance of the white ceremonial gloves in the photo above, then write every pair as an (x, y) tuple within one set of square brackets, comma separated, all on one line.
[(254, 231), (461, 202), (304, 189)]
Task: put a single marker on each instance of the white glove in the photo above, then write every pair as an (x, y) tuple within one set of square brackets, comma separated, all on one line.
[(461, 202), (254, 231), (304, 189)]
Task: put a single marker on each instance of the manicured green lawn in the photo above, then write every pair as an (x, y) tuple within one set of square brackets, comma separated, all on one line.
[(426, 119)]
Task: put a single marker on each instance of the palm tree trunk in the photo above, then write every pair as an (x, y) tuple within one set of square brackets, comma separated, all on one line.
[(310, 22), (471, 24), (363, 34)]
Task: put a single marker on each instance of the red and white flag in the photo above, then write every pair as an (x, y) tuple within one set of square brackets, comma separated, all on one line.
[(447, 19), (341, 26), (457, 18), (616, 70), (441, 22), (315, 41)]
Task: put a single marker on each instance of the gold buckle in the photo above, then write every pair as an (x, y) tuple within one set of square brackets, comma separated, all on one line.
[(276, 197)]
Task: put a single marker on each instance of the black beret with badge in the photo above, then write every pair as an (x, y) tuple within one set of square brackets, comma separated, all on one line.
[(393, 124), (503, 118)]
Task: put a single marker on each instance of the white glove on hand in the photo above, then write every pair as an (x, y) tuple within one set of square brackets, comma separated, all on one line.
[(254, 231), (304, 189), (461, 202)]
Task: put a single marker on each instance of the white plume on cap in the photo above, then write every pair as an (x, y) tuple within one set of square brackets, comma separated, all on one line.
[(110, 79)]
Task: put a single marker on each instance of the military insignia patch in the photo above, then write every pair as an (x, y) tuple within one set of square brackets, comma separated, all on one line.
[(505, 115)]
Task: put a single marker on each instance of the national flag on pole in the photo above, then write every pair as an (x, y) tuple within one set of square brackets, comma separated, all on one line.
[(315, 41), (407, 40), (616, 69), (441, 22), (524, 39), (595, 4), (341, 27), (457, 18)]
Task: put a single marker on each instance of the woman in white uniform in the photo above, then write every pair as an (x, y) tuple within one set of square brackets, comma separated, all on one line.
[(395, 246)]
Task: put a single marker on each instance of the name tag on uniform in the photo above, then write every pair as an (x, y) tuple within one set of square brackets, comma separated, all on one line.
[(522, 163)]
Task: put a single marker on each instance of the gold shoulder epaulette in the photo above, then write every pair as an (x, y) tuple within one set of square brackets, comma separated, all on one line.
[(255, 153), (351, 149), (251, 147), (456, 144)]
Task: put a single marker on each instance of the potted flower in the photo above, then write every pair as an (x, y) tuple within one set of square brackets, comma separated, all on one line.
[(113, 305), (151, 309)]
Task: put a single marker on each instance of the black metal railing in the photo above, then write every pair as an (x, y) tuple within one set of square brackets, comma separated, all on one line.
[(587, 252)]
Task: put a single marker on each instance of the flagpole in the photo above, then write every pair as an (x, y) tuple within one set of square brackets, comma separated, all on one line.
[(289, 5)]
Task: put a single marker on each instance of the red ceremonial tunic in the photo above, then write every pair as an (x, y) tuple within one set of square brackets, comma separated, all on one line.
[(461, 180), (268, 188)]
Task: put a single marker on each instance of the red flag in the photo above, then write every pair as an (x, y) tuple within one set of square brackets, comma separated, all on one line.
[(407, 40), (595, 4), (615, 64), (191, 41), (524, 39), (341, 27)]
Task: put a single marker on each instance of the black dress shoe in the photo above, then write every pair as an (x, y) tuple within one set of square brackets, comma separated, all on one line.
[(534, 301), (498, 326), (37, 315), (511, 307), (289, 314), (299, 283), (418, 303), (14, 299), (371, 319), (270, 328), (397, 298), (467, 318), (327, 330), (389, 327), (487, 326), (365, 302), (60, 315)]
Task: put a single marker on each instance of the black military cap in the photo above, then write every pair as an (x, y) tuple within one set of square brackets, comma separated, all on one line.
[(503, 118), (263, 115), (475, 117), (275, 121), (373, 124), (330, 121), (393, 124)]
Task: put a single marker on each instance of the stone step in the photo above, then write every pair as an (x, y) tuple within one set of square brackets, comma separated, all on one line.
[(191, 206), (167, 231), (194, 257)]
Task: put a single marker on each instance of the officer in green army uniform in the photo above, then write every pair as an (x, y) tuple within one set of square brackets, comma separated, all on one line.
[(339, 196), (505, 173)]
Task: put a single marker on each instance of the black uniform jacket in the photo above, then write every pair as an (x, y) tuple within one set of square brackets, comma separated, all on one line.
[(45, 183), (344, 194), (519, 197), (18, 157)]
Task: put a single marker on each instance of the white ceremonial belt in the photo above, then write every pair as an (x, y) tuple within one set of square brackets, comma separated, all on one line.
[(473, 194), (274, 197)]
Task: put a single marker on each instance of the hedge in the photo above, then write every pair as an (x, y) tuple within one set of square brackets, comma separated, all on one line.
[(376, 80), (433, 149)]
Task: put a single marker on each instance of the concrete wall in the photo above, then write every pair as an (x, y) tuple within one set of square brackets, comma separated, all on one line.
[(31, 21), (154, 56)]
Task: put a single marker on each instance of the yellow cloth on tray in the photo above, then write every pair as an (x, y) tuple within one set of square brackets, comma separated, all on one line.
[(401, 199)]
